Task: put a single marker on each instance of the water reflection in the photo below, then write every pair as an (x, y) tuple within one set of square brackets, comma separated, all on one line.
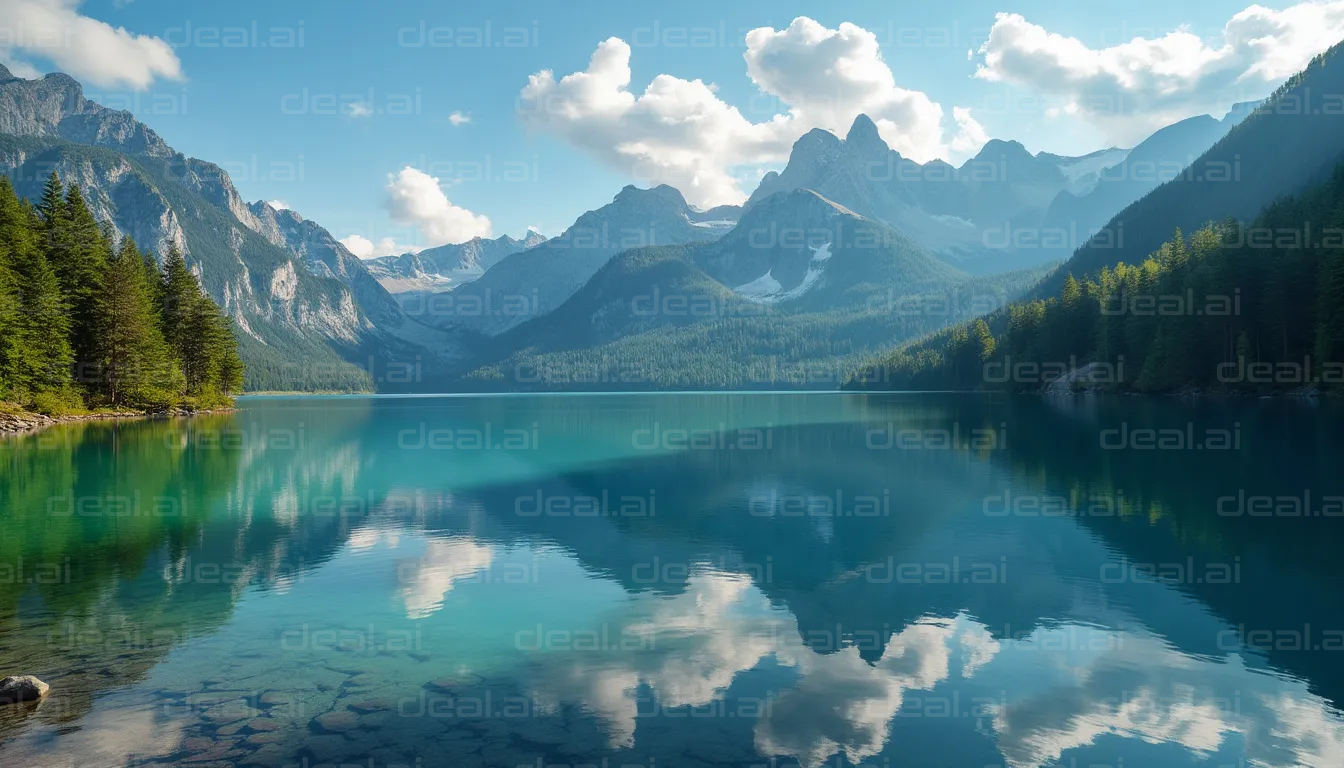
[(818, 579)]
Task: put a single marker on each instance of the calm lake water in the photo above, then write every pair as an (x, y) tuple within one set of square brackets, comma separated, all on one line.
[(681, 580)]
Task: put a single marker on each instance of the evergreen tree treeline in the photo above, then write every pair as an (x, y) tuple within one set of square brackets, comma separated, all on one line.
[(1230, 307), (86, 324)]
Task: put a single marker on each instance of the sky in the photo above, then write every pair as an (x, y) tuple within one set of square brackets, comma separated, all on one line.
[(404, 124)]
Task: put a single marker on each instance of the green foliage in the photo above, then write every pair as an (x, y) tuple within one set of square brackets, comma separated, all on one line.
[(82, 326), (135, 364), (279, 355), (199, 333), (1232, 307)]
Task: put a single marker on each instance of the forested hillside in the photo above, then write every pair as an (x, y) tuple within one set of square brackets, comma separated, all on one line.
[(1231, 307), (86, 323), (1289, 143)]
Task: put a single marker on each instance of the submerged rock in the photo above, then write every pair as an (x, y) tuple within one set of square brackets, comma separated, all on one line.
[(14, 690)]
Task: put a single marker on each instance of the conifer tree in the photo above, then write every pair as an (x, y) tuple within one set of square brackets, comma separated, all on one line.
[(135, 364), (38, 352), (9, 319), (80, 266)]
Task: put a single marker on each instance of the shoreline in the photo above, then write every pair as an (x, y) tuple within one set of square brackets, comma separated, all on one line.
[(24, 422)]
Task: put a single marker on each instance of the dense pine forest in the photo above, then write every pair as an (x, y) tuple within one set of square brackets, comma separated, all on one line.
[(1231, 307), (87, 323)]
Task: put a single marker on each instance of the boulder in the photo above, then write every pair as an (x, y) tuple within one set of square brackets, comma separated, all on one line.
[(14, 690)]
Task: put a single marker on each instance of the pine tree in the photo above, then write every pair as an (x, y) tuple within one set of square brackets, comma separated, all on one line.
[(80, 266), (199, 333), (9, 321), (55, 217), (135, 362), (154, 279), (37, 351), (179, 291)]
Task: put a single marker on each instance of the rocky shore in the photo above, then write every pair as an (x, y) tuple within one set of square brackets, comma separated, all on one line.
[(18, 422)]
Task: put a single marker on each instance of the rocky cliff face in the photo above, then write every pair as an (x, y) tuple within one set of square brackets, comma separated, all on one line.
[(55, 107), (297, 295)]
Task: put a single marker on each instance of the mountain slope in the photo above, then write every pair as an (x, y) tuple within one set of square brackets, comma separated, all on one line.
[(308, 314), (686, 316), (945, 210), (1157, 159), (1291, 141), (533, 282), (447, 266), (1258, 319)]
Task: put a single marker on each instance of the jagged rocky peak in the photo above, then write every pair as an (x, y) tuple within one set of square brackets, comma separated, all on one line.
[(799, 207), (817, 140), (1013, 163), (54, 106), (663, 193), (999, 149), (863, 138)]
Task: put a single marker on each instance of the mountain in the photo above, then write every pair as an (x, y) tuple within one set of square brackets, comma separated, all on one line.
[(797, 252), (533, 282), (447, 266), (1290, 142), (944, 209), (1082, 173), (1002, 209), (1235, 228), (308, 314), (1256, 313), (805, 252), (800, 293), (1156, 160)]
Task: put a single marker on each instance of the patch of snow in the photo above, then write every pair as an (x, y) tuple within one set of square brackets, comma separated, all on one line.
[(715, 224), (761, 289), (1081, 174), (947, 218), (767, 290)]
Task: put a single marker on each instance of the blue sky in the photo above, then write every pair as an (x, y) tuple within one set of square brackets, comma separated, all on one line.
[(324, 101)]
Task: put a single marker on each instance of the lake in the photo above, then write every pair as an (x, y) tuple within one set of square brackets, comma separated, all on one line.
[(681, 580)]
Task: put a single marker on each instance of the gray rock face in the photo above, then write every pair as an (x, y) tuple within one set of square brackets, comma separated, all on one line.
[(15, 690), (116, 191), (447, 266), (297, 296), (55, 107)]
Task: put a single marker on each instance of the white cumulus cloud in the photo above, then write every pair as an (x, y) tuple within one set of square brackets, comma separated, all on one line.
[(365, 248), (279, 205), (458, 118), (358, 109), (414, 198), (1133, 87), (680, 132), (87, 49)]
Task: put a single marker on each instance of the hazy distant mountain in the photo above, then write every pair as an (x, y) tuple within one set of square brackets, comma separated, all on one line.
[(802, 251), (795, 252), (1082, 173), (447, 266), (802, 285), (1290, 141), (303, 305), (945, 209), (1280, 171), (537, 280), (1156, 160)]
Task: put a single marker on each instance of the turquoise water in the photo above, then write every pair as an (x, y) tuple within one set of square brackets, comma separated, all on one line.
[(757, 579)]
